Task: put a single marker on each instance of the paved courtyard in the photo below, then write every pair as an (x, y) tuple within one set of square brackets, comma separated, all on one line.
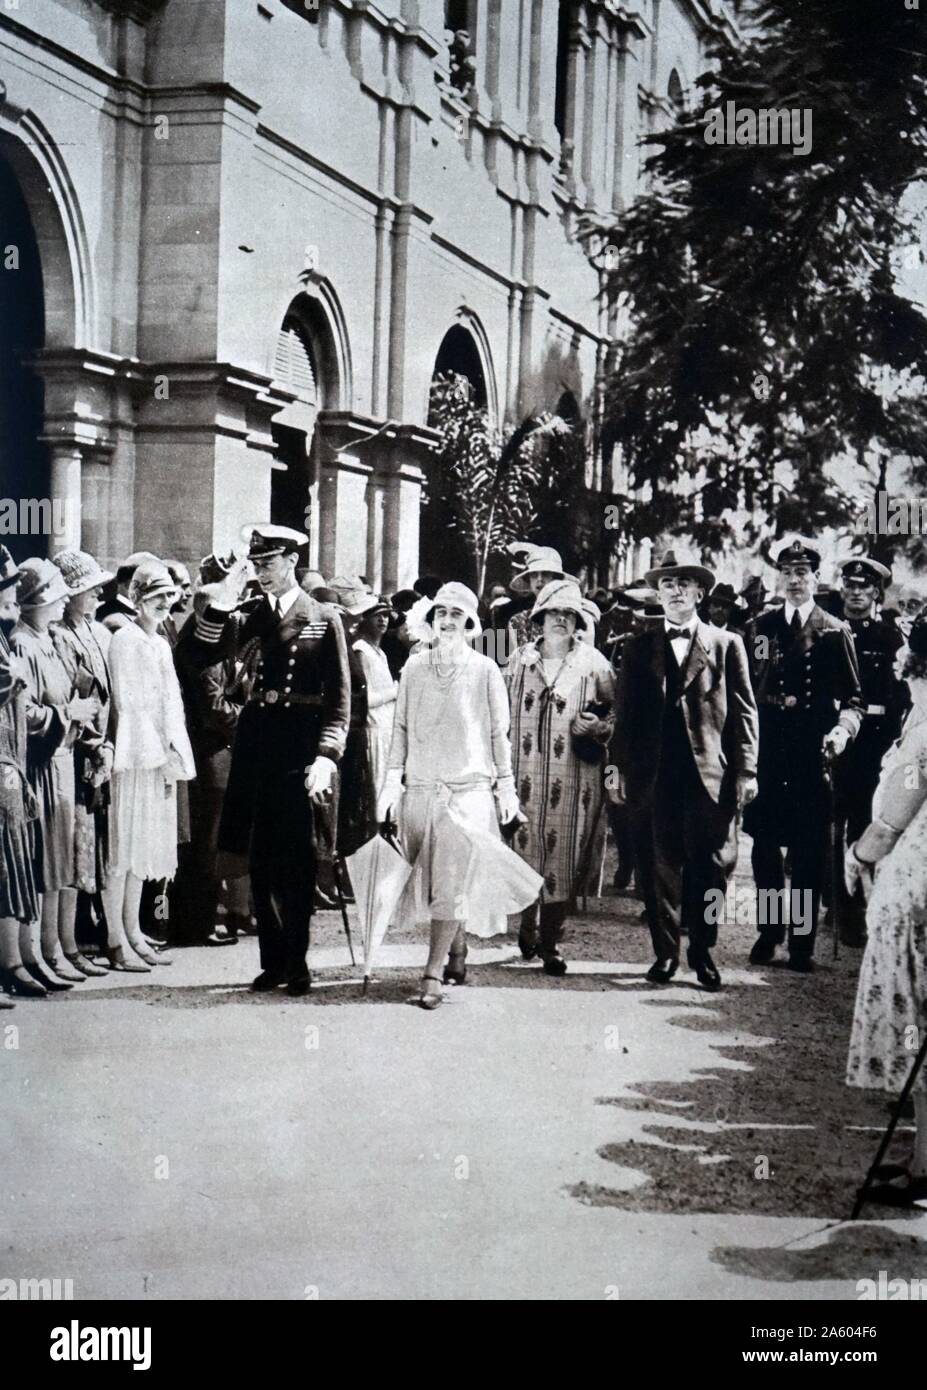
[(174, 1136)]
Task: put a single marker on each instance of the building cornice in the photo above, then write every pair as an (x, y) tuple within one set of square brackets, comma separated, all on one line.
[(142, 11)]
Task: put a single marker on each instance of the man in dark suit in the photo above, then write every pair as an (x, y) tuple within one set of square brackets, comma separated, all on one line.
[(686, 749), (290, 736), (806, 680)]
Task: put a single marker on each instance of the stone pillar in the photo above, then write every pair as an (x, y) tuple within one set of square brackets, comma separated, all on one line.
[(65, 495)]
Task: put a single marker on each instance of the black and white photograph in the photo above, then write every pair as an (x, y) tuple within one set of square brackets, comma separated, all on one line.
[(463, 665)]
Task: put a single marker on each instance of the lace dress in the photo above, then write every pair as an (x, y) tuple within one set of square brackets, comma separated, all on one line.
[(891, 1000)]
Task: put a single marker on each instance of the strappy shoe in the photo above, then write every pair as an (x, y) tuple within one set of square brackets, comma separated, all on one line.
[(426, 999), (43, 976), (148, 956), (118, 960), (87, 967), (62, 972)]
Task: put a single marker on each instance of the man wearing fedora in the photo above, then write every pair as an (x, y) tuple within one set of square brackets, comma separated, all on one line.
[(884, 704), (290, 736), (806, 680), (686, 749)]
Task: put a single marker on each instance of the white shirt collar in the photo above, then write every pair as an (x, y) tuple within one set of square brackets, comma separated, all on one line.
[(689, 627), (284, 602), (803, 613)]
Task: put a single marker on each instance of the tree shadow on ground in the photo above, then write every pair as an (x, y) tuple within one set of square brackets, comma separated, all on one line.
[(852, 1252), (777, 1133)]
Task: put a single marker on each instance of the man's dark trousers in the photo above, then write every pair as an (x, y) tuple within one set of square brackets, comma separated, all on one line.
[(694, 841)]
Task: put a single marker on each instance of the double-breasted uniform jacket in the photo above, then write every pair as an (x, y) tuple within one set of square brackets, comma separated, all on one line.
[(804, 686), (717, 705), (295, 672)]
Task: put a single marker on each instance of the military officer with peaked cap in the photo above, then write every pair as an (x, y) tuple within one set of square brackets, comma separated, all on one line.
[(806, 681), (884, 703), (290, 736)]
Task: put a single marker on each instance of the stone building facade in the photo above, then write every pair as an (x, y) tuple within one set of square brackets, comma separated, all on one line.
[(239, 237)]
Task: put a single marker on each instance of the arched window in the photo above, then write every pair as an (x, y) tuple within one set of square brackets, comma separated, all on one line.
[(675, 91), (458, 355), (293, 364)]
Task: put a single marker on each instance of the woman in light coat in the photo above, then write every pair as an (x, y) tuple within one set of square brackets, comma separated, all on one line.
[(152, 754)]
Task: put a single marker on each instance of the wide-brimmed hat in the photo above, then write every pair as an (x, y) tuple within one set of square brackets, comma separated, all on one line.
[(798, 549), (456, 595), (40, 583), (724, 593), (864, 567), (377, 604), (311, 580), (354, 596), (537, 559), (674, 567), (565, 594), (151, 579), (80, 571), (9, 570)]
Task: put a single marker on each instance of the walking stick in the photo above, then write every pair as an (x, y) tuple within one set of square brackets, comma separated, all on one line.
[(337, 867), (835, 875), (890, 1131)]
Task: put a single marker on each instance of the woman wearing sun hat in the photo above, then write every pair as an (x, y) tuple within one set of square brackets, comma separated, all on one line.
[(450, 749), (82, 645), (152, 754), (373, 621), (562, 692), (56, 716), (19, 901)]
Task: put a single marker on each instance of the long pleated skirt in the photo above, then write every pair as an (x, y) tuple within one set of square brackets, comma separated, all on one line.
[(143, 825), (18, 896)]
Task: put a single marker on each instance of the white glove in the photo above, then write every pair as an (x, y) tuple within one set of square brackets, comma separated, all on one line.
[(390, 796), (319, 777), (509, 806), (836, 741), (856, 873)]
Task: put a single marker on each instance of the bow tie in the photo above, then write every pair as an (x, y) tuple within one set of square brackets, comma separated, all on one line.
[(675, 631)]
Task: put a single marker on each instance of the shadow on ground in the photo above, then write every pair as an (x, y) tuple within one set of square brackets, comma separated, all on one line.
[(852, 1252)]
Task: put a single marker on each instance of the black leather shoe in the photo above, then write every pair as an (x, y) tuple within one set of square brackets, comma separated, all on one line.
[(804, 965), (49, 982), (18, 981), (706, 972), (622, 877), (300, 986), (554, 964), (662, 971), (763, 951), (267, 980), (455, 972)]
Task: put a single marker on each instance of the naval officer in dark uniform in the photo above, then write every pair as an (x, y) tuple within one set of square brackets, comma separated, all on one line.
[(290, 736), (884, 704), (806, 680)]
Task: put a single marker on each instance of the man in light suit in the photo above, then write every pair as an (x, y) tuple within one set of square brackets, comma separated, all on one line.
[(686, 748)]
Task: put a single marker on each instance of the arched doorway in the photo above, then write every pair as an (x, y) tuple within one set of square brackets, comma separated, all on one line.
[(306, 370), (24, 460), (441, 550)]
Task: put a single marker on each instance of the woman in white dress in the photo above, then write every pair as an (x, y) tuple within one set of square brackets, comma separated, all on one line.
[(890, 861), (152, 754), (381, 688), (450, 750)]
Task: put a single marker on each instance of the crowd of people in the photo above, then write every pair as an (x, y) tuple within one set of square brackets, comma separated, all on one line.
[(186, 762)]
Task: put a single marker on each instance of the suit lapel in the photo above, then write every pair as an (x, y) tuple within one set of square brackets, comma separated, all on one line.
[(658, 657), (697, 658), (296, 619), (809, 633)]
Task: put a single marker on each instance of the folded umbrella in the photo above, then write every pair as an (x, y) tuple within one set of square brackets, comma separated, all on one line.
[(379, 874)]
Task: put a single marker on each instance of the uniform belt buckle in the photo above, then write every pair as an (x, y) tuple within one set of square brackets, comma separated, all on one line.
[(875, 711), (271, 697)]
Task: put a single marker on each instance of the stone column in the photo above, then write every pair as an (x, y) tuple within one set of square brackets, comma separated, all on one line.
[(65, 496)]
